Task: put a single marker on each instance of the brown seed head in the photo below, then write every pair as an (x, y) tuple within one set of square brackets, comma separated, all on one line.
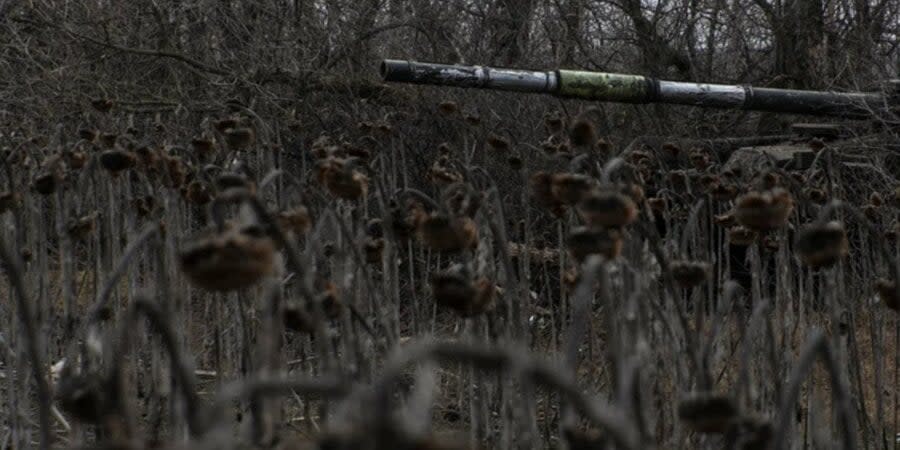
[(741, 236), (374, 249), (541, 184), (770, 180), (385, 128), (582, 133), (327, 151), (498, 143), (117, 161), (149, 158), (443, 233), (8, 201), (893, 231), (342, 179), (658, 204), (816, 144), (76, 159), (103, 105), (672, 149), (679, 179), (603, 147), (590, 439), (239, 138), (295, 220), (750, 433), (454, 290), (724, 192), (634, 191), (710, 181), (771, 243), (46, 182), (725, 220), (638, 157), (198, 193), (228, 180), (403, 221), (366, 126), (82, 227), (374, 228), (570, 279), (203, 146), (297, 318), (733, 173), (585, 241), (515, 162), (461, 199), (690, 274), (707, 412), (822, 245), (108, 140), (83, 396), (234, 258), (607, 209), (329, 297), (872, 212), (358, 152), (176, 171), (815, 195), (144, 205), (875, 199), (441, 172), (762, 211), (699, 159), (570, 188), (88, 134), (448, 108), (226, 124), (887, 290)]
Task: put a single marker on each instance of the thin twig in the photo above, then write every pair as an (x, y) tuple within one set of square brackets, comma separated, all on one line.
[(33, 341)]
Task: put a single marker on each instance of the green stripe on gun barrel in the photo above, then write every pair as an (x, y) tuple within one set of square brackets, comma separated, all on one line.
[(604, 86)]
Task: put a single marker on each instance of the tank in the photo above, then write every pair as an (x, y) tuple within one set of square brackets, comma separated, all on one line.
[(863, 133)]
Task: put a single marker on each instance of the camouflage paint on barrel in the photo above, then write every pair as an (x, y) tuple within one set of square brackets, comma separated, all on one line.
[(611, 87)]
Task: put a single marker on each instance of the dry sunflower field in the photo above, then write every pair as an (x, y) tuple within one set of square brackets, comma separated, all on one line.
[(220, 230)]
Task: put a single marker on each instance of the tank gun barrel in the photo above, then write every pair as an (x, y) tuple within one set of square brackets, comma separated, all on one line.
[(614, 87)]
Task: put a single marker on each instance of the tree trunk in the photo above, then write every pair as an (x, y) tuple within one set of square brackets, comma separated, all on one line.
[(510, 40), (571, 13), (657, 54)]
